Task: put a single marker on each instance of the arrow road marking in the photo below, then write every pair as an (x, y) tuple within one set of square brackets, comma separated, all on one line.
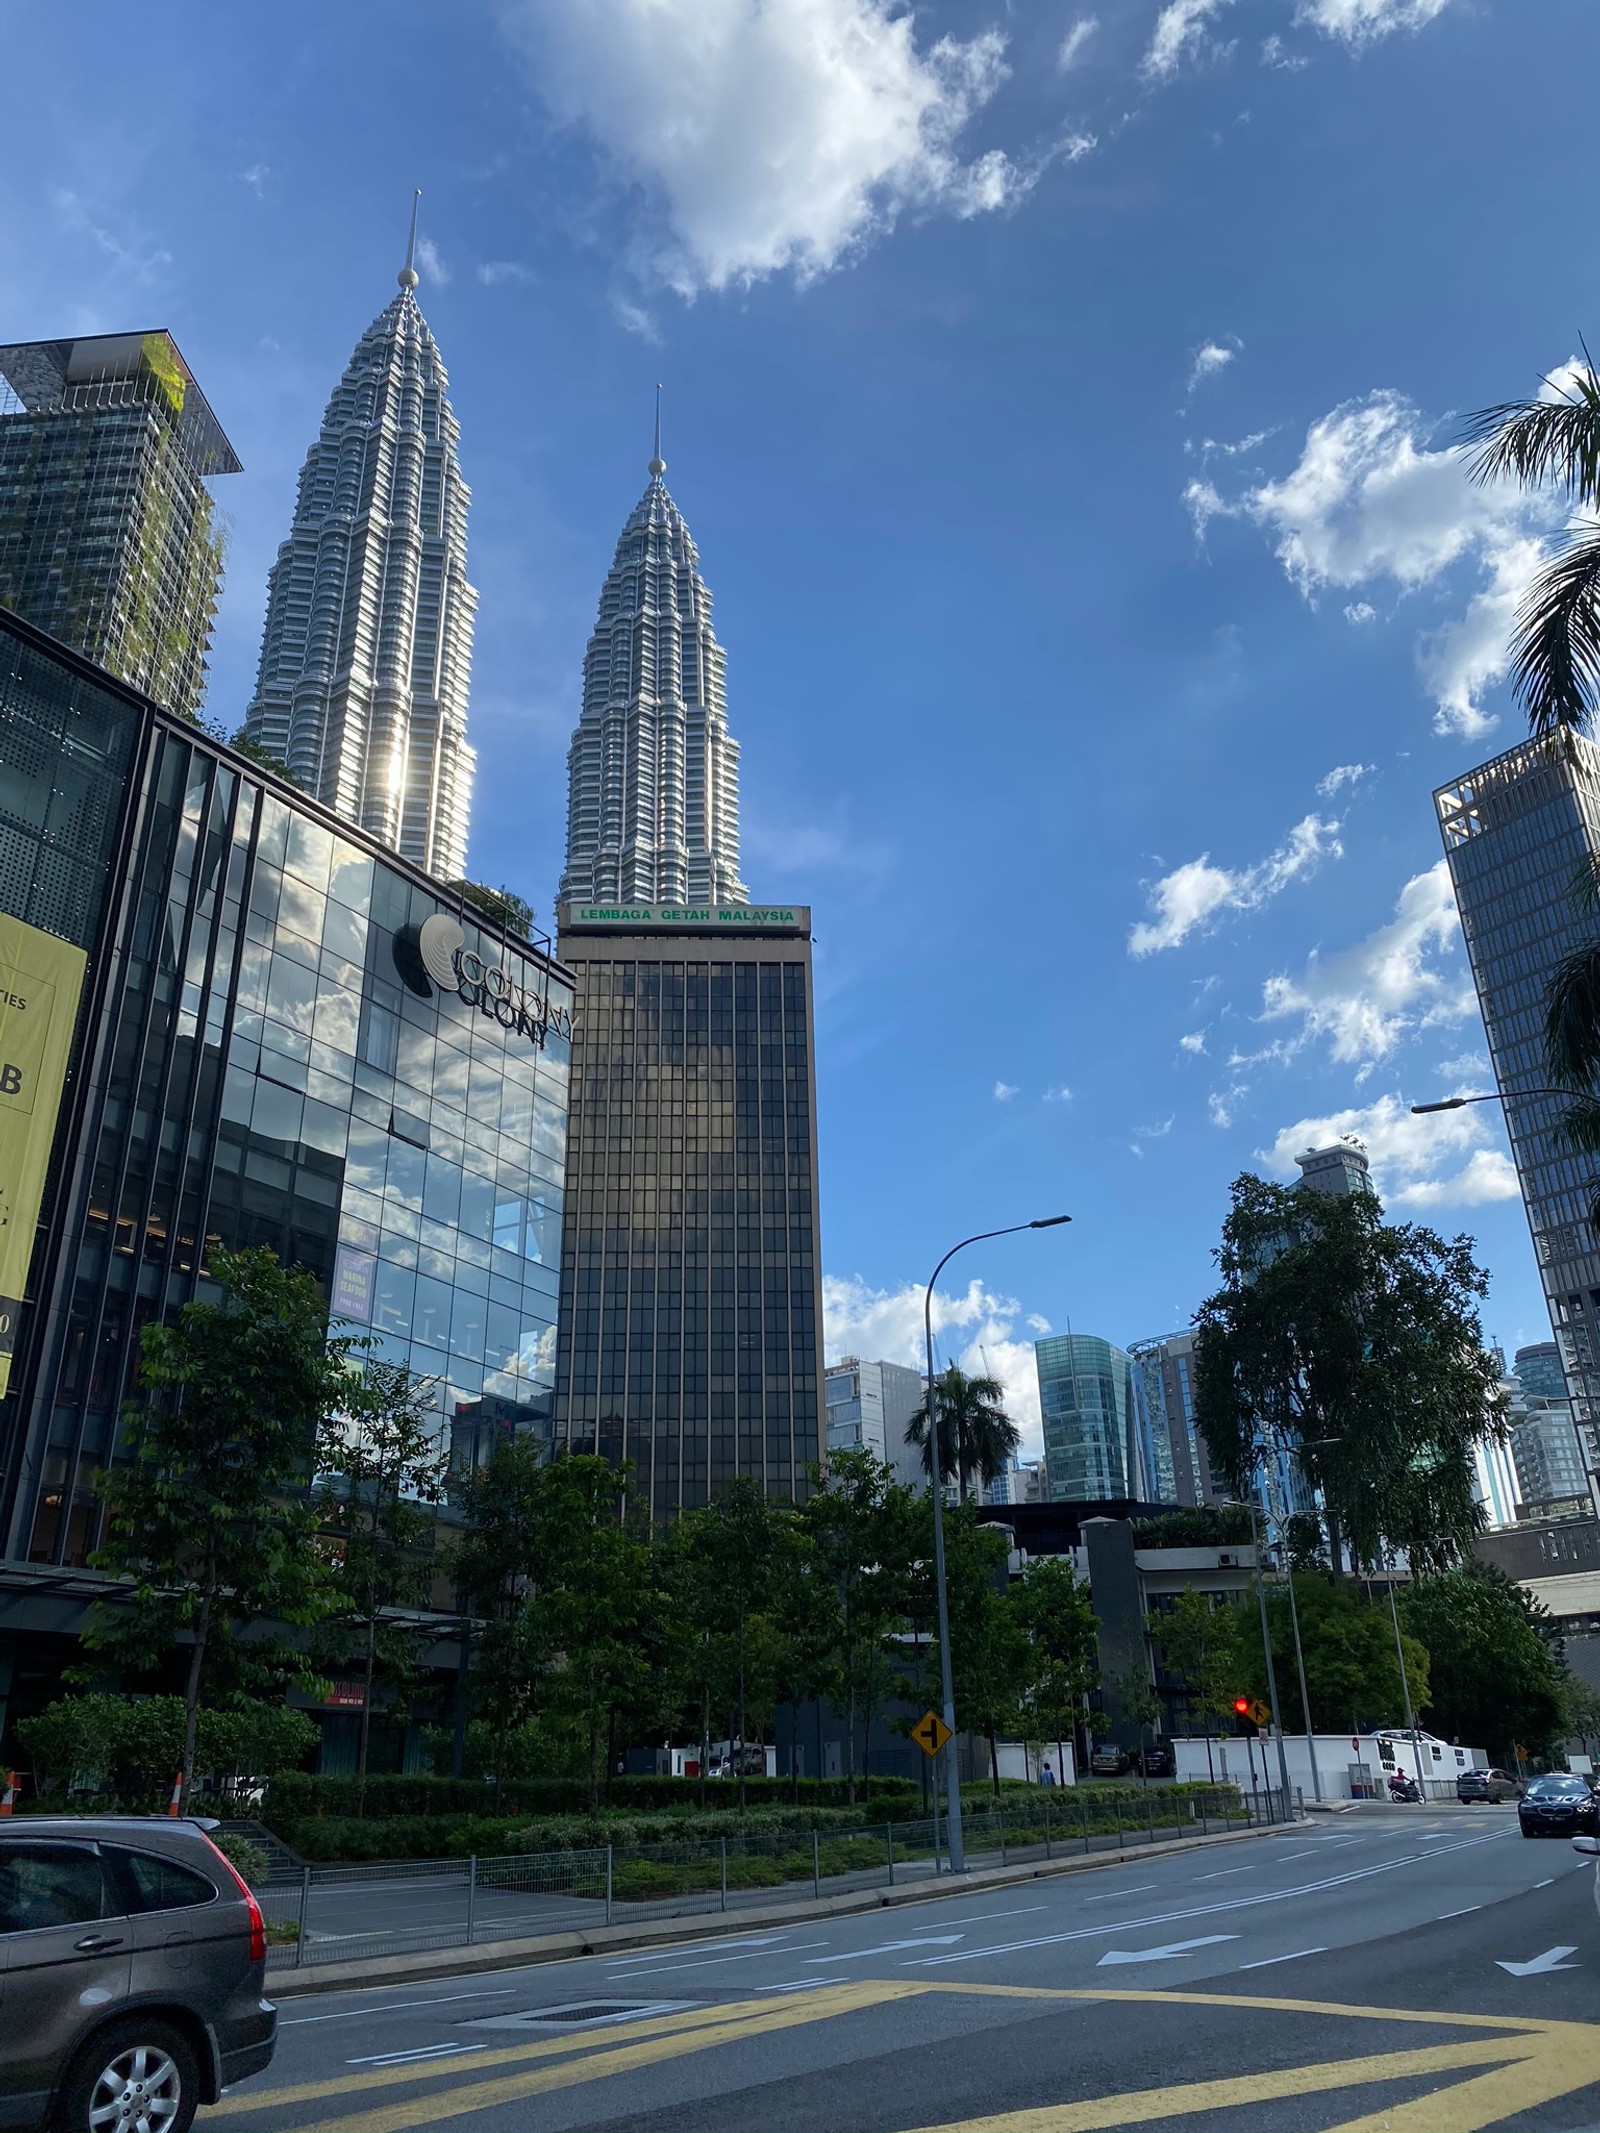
[(1167, 1954), (1550, 1960), (890, 1947)]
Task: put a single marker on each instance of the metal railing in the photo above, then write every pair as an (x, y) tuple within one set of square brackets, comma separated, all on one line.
[(329, 1914)]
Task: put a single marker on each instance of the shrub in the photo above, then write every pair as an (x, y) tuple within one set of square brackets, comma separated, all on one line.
[(294, 1795)]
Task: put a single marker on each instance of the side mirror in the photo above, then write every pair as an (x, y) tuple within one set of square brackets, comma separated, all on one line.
[(1588, 1845)]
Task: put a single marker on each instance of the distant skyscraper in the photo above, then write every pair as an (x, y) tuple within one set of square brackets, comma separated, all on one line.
[(1517, 832), (107, 531), (366, 656), (869, 1406), (1163, 1389), (1339, 1170), (653, 775), (1092, 1447)]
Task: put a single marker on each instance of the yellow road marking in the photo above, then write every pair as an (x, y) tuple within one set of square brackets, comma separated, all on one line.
[(1233, 2091)]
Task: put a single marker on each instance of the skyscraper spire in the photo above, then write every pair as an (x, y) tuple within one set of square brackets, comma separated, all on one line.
[(653, 773), (366, 656), (408, 273)]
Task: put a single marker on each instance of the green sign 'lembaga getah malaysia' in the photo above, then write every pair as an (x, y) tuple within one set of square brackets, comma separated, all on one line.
[(792, 917), (40, 980)]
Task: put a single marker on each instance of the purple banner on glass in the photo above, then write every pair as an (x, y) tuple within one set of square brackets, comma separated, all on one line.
[(353, 1276)]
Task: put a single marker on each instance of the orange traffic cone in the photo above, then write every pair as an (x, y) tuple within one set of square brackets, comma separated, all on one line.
[(9, 1796), (177, 1794)]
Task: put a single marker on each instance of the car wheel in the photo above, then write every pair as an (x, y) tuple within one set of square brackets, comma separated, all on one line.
[(135, 2077)]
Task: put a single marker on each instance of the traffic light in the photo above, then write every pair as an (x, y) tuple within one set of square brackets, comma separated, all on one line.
[(1241, 1705)]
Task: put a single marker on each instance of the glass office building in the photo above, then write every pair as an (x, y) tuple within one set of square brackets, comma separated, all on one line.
[(1518, 833), (1091, 1421), (288, 1036), (691, 1307)]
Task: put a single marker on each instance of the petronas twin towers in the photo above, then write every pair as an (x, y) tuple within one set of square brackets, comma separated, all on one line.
[(366, 656)]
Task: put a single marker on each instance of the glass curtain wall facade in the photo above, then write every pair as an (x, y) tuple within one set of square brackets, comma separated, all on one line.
[(107, 533), (1518, 833), (1163, 1391), (691, 1319), (266, 1061), (1091, 1423)]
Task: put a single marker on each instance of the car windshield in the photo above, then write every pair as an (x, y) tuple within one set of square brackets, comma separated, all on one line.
[(1557, 1788)]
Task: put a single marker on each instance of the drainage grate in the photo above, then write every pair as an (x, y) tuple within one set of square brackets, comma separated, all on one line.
[(582, 2014)]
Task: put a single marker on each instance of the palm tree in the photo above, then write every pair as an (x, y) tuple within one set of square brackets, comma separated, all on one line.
[(1554, 443), (976, 1435)]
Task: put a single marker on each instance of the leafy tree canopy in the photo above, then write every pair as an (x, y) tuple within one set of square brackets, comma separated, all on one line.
[(1496, 1667), (1355, 1343), (977, 1438)]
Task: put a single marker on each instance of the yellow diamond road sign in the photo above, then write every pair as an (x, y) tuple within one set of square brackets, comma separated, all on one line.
[(1260, 1713), (930, 1733)]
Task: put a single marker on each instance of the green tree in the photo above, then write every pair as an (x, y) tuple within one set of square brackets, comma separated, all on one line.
[(739, 1539), (989, 1648), (130, 1745), (1355, 1344), (504, 906), (1495, 1660), (1138, 1704), (501, 1506), (858, 1524), (1197, 1640), (211, 1519), (1580, 1712), (977, 1438), (1063, 1664), (1352, 1675), (383, 1475)]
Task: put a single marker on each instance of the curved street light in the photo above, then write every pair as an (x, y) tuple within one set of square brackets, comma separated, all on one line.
[(958, 1857), (1457, 1103)]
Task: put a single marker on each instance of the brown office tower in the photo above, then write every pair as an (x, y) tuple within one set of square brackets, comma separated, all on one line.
[(690, 1337)]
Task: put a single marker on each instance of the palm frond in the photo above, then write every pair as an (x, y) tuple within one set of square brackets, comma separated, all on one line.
[(1541, 442), (1572, 1020), (1555, 645)]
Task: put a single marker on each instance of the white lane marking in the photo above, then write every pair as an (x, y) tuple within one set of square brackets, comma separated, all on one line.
[(1224, 1873), (1465, 1912), (1168, 1954), (427, 2051), (1432, 1836), (367, 2014), (798, 1984), (712, 1961), (889, 1947), (1267, 1961), (770, 1941), (1117, 1895), (1545, 1884), (1285, 1857), (1022, 1911), (1541, 1965), (1209, 1910)]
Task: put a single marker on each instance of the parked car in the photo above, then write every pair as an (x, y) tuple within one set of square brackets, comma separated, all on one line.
[(1559, 1806), (1159, 1761), (1487, 1785), (1109, 1761), (132, 1962)]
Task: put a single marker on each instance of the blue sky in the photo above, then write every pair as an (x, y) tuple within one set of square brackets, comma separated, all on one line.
[(1061, 399)]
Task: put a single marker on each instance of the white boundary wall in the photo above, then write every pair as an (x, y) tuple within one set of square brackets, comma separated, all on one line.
[(1233, 1759)]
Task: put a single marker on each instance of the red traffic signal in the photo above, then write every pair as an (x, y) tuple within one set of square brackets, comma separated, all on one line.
[(1241, 1704)]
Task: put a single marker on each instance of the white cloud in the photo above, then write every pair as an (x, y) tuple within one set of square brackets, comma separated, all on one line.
[(772, 137), (1414, 1160), (1275, 53), (1343, 774), (491, 272), (1141, 1134), (1038, 1325), (1073, 43), (1370, 500), (1210, 358), (1197, 892), (256, 178), (633, 318), (1178, 34), (976, 1329), (1060, 1094), (1004, 1091), (1361, 22), (1194, 1043), (429, 262), (1210, 448), (1402, 978)]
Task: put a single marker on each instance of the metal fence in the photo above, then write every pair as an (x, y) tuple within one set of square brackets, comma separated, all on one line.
[(328, 1914)]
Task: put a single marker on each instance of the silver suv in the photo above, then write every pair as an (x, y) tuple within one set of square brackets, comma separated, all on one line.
[(132, 1960)]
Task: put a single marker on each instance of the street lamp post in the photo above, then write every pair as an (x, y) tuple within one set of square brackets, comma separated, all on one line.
[(952, 1796), (1266, 1647)]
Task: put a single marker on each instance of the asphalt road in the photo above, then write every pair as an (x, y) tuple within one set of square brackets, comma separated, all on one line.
[(1333, 1978)]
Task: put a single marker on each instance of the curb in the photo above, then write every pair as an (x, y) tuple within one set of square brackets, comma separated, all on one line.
[(425, 1963)]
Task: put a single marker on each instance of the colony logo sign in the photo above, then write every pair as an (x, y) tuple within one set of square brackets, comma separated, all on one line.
[(436, 954), (40, 980)]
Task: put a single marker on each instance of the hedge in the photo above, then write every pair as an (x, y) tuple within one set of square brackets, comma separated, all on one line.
[(295, 1795), (323, 1839)]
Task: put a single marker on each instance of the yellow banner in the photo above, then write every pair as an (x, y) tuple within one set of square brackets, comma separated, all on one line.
[(40, 980)]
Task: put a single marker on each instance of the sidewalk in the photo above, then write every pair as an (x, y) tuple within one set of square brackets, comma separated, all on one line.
[(424, 1963)]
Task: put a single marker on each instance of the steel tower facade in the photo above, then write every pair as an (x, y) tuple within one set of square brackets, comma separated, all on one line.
[(653, 774), (366, 656)]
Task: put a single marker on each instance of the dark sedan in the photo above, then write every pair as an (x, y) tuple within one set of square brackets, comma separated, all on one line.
[(1559, 1807), (1486, 1785)]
